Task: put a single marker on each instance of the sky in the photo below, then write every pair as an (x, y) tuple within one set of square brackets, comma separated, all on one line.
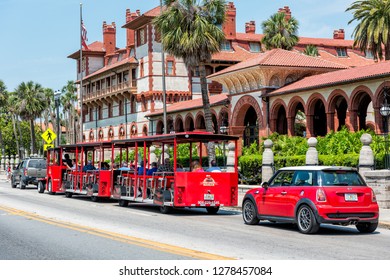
[(38, 35)]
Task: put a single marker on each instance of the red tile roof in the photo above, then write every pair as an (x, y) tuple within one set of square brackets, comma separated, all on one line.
[(325, 42), (191, 105), (112, 66), (282, 58), (337, 77), (237, 54)]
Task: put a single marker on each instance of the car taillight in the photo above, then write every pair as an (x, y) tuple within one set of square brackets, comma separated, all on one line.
[(373, 196), (321, 197), (25, 172)]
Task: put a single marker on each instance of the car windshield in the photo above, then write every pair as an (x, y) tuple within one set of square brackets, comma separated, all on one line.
[(341, 178)]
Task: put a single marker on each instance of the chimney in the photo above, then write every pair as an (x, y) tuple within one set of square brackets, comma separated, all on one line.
[(130, 34), (229, 26), (109, 38), (339, 34), (250, 27), (286, 10)]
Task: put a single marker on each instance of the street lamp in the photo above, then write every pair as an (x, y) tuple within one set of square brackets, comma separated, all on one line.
[(57, 97), (385, 112)]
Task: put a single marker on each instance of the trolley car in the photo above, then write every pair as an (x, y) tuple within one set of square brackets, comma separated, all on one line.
[(167, 188)]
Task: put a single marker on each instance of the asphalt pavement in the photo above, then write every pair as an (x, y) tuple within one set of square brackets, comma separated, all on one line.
[(384, 214)]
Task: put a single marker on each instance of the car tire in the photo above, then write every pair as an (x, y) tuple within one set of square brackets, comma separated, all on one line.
[(22, 186), (212, 210), (41, 187), (13, 185), (367, 227), (249, 213), (306, 221), (94, 198)]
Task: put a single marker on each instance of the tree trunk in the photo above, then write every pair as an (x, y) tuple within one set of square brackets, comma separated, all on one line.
[(207, 111), (32, 131), (16, 135)]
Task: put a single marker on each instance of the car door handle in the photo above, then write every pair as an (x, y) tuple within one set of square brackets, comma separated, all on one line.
[(283, 193)]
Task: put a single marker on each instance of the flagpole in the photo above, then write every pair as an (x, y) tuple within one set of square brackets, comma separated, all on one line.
[(81, 74)]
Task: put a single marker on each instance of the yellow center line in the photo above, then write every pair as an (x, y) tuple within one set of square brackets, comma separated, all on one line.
[(163, 247)]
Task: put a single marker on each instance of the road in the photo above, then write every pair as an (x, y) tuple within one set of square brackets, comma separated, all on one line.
[(42, 226)]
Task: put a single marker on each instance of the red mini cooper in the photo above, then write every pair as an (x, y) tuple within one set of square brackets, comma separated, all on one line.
[(312, 195)]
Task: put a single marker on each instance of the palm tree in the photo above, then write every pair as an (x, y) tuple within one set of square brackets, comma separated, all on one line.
[(311, 50), (280, 32), (68, 100), (373, 30), (13, 111), (31, 103), (191, 31)]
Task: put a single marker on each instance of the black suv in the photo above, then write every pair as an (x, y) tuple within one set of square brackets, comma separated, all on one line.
[(28, 171)]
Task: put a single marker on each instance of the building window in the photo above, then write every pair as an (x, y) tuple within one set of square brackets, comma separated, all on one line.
[(170, 68), (225, 46), (341, 52), (109, 110), (141, 36), (255, 47), (90, 114)]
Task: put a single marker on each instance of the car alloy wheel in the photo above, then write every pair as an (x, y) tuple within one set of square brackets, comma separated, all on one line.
[(307, 223), (249, 213)]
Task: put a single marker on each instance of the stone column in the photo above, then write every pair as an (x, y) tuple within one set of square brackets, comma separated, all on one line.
[(312, 153), (231, 157), (366, 158), (267, 168), (3, 162)]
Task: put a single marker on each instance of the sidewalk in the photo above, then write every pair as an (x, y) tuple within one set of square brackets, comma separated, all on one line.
[(384, 214)]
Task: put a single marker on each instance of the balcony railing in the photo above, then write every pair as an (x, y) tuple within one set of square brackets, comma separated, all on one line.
[(109, 90)]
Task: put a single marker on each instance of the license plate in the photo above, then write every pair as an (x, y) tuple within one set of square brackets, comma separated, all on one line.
[(208, 196), (351, 197)]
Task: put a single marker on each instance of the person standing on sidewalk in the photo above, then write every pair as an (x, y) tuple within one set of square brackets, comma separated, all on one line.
[(8, 171)]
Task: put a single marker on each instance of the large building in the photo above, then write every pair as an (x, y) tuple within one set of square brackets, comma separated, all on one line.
[(252, 92)]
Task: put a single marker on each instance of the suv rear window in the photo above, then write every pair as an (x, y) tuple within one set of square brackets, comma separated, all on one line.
[(341, 178), (33, 163)]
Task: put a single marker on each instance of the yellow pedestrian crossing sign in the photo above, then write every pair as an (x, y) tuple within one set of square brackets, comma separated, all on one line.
[(47, 146), (49, 136)]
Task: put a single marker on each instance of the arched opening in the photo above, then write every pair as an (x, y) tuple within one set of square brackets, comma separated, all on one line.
[(340, 113), (189, 124), (251, 131), (300, 121), (179, 127), (215, 123), (200, 123), (281, 121), (160, 127), (319, 119), (364, 104)]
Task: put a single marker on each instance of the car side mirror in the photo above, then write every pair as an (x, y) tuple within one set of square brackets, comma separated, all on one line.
[(265, 185)]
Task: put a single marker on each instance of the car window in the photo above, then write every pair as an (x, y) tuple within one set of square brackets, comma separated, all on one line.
[(341, 178), (24, 164), (303, 178), (33, 163), (42, 164), (283, 178)]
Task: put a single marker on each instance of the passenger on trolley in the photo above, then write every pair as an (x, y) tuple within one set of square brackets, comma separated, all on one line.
[(153, 169), (196, 167)]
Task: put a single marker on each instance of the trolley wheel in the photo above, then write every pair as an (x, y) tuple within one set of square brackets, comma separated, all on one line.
[(212, 210), (68, 194), (50, 188), (95, 198), (41, 187), (123, 203), (165, 209)]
